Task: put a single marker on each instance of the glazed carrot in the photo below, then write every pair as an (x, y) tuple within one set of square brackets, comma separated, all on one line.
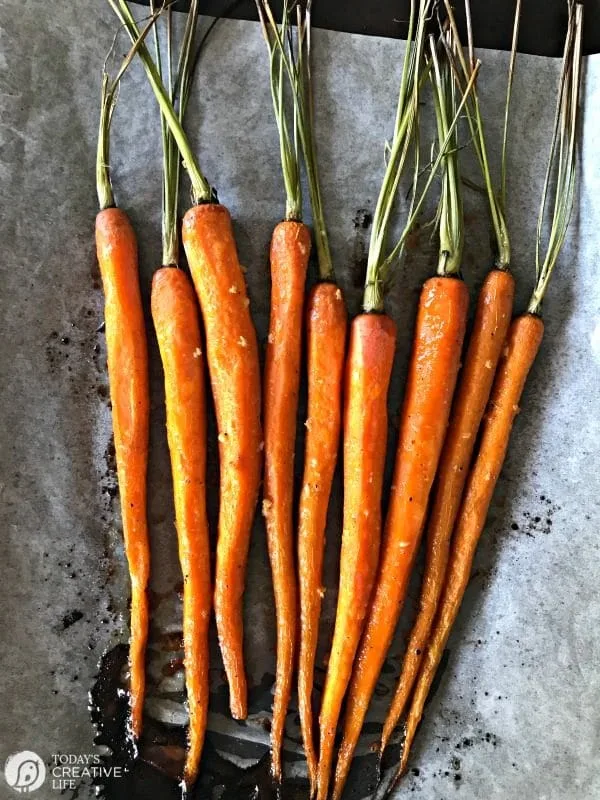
[(439, 332), (325, 344), (127, 356), (368, 371), (326, 338), (492, 318), (177, 324), (290, 248), (491, 323), (232, 356), (522, 345), (432, 374)]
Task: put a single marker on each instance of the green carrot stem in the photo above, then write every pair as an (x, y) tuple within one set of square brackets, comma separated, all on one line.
[(561, 171), (201, 191)]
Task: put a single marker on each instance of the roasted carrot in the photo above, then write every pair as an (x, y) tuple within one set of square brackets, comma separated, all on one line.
[(492, 318), (325, 345), (127, 356), (177, 324), (326, 338), (432, 374), (232, 357), (491, 323), (290, 249), (368, 371), (522, 345)]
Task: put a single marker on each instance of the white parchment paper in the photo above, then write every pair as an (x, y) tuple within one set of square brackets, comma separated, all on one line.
[(516, 711)]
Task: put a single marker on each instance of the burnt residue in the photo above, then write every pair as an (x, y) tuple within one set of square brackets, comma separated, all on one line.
[(70, 618), (152, 771)]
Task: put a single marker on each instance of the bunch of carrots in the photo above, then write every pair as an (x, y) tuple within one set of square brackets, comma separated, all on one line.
[(454, 426)]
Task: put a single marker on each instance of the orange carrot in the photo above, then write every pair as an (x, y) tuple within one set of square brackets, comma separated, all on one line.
[(177, 325), (439, 333), (326, 340), (523, 341), (522, 345), (368, 371), (487, 340), (232, 356), (130, 397), (290, 248), (326, 334)]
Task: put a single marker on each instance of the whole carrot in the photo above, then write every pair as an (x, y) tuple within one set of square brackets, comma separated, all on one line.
[(177, 324), (325, 343), (127, 356), (492, 318), (232, 357), (367, 376), (522, 345), (368, 371), (432, 374), (326, 346), (290, 249)]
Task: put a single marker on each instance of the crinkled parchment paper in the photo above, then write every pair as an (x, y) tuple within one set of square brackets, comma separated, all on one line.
[(516, 710)]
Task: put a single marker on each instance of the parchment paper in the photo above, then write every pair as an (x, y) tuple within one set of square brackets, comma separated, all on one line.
[(516, 711)]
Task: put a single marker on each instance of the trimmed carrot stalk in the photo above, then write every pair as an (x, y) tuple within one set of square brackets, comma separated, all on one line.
[(177, 324), (492, 319), (325, 343), (127, 354), (290, 249), (368, 371), (232, 356), (522, 344), (433, 369)]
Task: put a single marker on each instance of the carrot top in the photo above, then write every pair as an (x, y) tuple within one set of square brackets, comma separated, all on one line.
[(201, 189), (414, 72), (288, 142), (450, 208), (178, 84), (108, 100), (562, 161), (463, 70), (298, 68)]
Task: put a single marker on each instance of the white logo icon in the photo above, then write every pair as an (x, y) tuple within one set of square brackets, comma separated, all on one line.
[(25, 772)]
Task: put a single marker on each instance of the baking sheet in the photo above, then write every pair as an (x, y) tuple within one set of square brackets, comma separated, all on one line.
[(515, 712)]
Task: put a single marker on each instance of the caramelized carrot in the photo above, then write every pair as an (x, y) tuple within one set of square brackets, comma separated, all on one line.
[(434, 363), (325, 344), (491, 323), (177, 325), (127, 355), (522, 345), (523, 341), (232, 356), (368, 371), (290, 248)]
